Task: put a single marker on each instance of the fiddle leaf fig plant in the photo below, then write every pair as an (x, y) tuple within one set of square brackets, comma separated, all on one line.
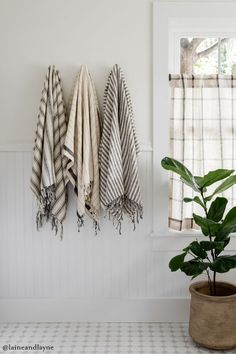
[(206, 256)]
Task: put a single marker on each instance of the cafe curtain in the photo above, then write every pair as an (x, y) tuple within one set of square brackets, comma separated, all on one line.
[(202, 136)]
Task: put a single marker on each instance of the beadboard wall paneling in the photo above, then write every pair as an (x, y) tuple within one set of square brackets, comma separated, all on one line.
[(37, 268), (38, 264)]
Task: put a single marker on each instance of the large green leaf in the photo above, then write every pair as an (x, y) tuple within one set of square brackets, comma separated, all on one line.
[(193, 267), (213, 177), (188, 200), (176, 262), (177, 167), (217, 209), (229, 182), (198, 179), (218, 250), (228, 225), (191, 184), (196, 200), (208, 245), (223, 264), (208, 227), (197, 250)]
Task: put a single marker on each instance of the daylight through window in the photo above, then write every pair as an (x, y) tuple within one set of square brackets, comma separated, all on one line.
[(208, 56)]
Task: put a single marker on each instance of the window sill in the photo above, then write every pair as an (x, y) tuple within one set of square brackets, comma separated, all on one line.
[(172, 241)]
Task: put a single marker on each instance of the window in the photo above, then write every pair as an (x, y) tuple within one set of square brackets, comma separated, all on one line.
[(172, 23), (208, 55)]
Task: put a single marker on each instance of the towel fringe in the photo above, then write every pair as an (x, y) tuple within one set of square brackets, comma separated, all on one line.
[(96, 226), (55, 223), (116, 210), (80, 221), (45, 203), (46, 200)]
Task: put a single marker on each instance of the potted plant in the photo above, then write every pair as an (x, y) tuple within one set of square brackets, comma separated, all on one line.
[(213, 303)]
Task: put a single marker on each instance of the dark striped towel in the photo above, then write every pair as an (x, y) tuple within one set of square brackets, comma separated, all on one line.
[(119, 177), (48, 180), (81, 147)]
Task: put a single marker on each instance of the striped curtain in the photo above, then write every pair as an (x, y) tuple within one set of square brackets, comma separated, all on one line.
[(202, 136)]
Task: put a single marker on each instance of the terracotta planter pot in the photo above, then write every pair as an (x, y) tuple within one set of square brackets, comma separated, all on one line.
[(213, 318)]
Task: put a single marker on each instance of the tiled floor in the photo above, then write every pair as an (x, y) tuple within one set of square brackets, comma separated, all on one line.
[(102, 338)]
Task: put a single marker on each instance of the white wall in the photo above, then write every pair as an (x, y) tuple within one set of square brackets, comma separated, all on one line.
[(108, 277), (99, 33)]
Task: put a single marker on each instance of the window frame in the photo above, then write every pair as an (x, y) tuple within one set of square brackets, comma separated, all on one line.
[(171, 22)]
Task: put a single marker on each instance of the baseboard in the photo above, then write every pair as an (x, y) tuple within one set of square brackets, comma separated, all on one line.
[(94, 310)]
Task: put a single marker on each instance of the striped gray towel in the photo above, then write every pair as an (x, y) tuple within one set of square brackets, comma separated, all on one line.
[(119, 177), (48, 180), (81, 147)]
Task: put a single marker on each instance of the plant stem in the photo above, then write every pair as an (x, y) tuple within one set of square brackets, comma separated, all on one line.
[(210, 282), (206, 213), (214, 284), (212, 289)]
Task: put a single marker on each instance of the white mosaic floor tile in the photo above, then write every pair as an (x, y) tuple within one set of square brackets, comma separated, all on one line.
[(101, 338)]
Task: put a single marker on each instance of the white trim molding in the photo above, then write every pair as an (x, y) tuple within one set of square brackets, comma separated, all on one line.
[(177, 242), (171, 21)]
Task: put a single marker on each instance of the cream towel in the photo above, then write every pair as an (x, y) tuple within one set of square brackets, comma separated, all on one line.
[(81, 147)]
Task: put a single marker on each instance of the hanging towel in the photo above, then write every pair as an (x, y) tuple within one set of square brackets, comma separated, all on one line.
[(119, 177), (48, 180), (81, 147)]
